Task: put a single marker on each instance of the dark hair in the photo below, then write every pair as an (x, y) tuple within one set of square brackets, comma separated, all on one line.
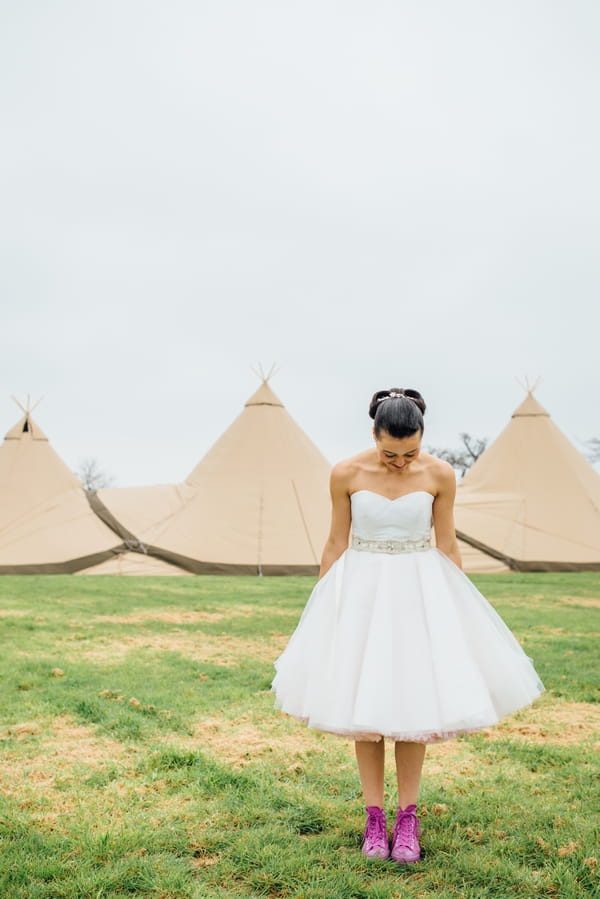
[(398, 412)]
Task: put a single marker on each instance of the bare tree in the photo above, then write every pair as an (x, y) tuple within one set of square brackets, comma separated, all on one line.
[(91, 475), (593, 454), (463, 457)]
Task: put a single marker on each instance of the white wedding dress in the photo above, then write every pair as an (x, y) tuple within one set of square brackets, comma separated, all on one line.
[(395, 640)]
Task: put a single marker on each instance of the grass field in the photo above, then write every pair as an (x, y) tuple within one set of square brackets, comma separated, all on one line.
[(140, 754)]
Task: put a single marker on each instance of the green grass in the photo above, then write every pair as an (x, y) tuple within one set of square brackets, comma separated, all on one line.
[(155, 764)]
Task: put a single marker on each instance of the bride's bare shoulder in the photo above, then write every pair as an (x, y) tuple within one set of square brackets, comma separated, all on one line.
[(439, 469), (345, 471)]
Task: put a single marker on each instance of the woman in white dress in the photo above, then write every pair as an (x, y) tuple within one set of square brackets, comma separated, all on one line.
[(395, 641)]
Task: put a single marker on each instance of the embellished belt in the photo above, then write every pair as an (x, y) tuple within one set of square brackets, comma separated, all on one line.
[(390, 546)]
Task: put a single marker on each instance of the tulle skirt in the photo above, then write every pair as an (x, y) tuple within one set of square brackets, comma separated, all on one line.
[(404, 647)]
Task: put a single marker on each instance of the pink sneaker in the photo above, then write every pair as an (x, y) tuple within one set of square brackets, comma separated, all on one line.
[(375, 844), (405, 842)]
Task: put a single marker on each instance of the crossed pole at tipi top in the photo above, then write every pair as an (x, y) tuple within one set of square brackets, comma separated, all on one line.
[(527, 387), (29, 408), (265, 378)]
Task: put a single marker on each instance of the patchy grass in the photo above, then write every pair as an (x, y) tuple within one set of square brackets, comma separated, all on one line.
[(140, 753)]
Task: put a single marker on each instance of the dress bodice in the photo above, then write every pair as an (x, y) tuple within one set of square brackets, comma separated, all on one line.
[(375, 517)]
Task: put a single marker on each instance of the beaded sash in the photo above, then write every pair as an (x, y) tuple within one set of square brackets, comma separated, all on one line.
[(390, 546)]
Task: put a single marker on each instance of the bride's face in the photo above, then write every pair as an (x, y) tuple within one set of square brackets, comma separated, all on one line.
[(397, 453)]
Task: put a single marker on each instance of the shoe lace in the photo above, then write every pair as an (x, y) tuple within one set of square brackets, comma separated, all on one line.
[(406, 828), (374, 827)]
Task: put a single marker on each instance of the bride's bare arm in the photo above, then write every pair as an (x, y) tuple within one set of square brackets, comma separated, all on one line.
[(337, 542), (443, 516)]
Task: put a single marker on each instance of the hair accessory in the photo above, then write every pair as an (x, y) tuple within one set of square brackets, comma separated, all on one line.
[(392, 396)]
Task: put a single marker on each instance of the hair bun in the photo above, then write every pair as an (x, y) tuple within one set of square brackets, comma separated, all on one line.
[(416, 397), (396, 393)]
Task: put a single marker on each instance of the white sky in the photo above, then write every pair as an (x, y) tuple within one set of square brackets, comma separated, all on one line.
[(372, 194)]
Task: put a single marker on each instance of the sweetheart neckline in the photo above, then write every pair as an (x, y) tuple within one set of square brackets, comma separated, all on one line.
[(396, 498)]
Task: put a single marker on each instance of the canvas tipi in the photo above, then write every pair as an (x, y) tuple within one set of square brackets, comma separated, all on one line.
[(46, 524), (257, 503), (531, 502)]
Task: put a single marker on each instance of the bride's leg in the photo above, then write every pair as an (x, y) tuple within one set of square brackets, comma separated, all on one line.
[(370, 757), (409, 764)]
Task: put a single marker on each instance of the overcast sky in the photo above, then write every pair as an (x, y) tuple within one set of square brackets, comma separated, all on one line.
[(371, 194)]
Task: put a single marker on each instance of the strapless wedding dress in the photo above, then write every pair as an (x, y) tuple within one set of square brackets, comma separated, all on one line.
[(395, 640)]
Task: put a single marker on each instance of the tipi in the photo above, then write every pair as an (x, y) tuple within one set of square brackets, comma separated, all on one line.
[(257, 503), (46, 524), (531, 502)]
